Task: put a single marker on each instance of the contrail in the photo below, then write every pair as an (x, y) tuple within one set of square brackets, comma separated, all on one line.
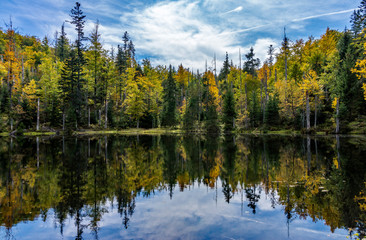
[(322, 15), (245, 29), (238, 9), (294, 20)]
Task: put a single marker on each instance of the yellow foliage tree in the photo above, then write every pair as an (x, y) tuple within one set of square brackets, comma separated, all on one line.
[(209, 81), (30, 93)]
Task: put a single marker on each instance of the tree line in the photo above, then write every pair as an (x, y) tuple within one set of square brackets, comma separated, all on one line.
[(313, 84)]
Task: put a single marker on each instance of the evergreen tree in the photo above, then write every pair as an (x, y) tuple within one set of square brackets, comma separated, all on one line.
[(251, 64), (210, 103), (125, 39), (229, 113), (192, 110), (211, 117), (62, 46), (255, 113), (68, 83), (358, 18), (272, 112), (347, 87), (131, 50), (79, 22), (225, 70), (169, 118), (94, 58)]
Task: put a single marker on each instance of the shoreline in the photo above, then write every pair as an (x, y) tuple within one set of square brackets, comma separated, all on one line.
[(167, 131)]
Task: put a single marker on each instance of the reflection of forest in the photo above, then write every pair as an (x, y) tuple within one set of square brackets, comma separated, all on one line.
[(311, 178)]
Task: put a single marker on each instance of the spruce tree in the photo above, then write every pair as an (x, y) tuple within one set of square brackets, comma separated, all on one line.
[(79, 22), (210, 103), (229, 113), (272, 116), (225, 70), (169, 118), (62, 46), (255, 113), (251, 64), (68, 85), (347, 85), (211, 117), (358, 18)]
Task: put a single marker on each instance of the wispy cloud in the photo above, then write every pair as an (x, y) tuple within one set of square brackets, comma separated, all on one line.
[(322, 15), (236, 10)]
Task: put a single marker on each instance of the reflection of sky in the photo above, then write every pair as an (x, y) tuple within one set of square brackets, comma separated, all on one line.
[(192, 214)]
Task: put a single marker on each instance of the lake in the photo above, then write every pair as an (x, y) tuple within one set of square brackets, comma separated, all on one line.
[(182, 187)]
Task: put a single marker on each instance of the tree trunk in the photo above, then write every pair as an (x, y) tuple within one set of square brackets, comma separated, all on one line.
[(337, 117), (106, 114), (89, 117), (37, 140), (22, 69), (262, 102), (138, 123), (37, 115), (307, 112), (316, 111), (63, 122), (338, 154), (106, 149), (308, 145), (100, 117)]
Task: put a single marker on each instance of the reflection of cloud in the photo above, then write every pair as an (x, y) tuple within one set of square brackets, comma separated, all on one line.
[(192, 214)]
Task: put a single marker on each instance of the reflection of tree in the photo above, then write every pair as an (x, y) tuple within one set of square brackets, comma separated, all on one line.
[(169, 145), (252, 197), (229, 181), (79, 178)]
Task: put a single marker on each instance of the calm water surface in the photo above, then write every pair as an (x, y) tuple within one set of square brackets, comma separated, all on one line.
[(182, 187)]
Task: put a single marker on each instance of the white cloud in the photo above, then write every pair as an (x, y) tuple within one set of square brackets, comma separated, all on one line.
[(236, 10), (175, 32)]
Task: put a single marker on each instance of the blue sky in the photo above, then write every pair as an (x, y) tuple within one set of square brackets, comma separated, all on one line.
[(183, 31)]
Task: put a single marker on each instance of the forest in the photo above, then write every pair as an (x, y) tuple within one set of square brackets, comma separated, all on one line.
[(313, 85)]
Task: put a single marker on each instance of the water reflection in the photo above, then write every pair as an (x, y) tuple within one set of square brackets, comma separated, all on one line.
[(74, 187)]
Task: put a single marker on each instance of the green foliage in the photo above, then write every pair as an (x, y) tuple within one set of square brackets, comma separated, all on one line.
[(169, 118), (347, 86), (229, 112), (255, 113), (272, 117)]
